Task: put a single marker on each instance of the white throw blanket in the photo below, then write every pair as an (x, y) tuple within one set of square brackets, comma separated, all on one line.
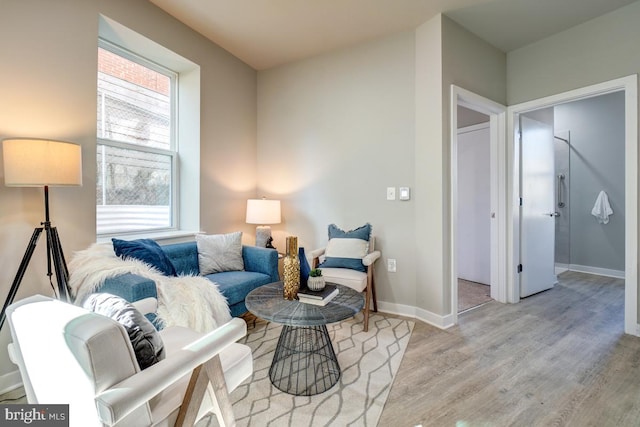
[(190, 301)]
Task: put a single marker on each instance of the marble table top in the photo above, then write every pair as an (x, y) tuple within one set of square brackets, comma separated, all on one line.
[(267, 302)]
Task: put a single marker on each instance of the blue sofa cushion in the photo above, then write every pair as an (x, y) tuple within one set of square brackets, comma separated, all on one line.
[(145, 250), (347, 248), (235, 285), (184, 257), (145, 339)]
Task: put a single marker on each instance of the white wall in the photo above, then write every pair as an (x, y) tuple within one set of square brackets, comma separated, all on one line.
[(48, 83), (333, 132)]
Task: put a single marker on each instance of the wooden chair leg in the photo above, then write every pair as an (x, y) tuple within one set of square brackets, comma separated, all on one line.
[(367, 297), (373, 294), (216, 378), (209, 372), (192, 398)]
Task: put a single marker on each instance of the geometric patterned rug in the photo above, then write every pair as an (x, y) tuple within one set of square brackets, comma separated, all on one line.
[(369, 362)]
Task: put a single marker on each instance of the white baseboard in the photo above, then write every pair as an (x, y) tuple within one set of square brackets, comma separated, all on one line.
[(595, 270), (441, 322), (10, 381)]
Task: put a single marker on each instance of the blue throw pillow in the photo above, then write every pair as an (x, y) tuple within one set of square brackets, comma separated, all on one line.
[(347, 248), (147, 251)]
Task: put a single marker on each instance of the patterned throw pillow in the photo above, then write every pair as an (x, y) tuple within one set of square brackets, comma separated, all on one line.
[(347, 248), (220, 252)]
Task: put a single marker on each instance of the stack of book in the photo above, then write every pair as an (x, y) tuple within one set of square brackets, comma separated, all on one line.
[(321, 298)]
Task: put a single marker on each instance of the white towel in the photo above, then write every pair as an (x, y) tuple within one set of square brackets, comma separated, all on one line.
[(601, 209)]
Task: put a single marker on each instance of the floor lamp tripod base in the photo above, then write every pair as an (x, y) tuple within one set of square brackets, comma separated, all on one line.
[(55, 256)]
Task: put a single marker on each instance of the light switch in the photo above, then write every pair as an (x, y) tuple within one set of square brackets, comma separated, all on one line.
[(405, 193), (391, 193)]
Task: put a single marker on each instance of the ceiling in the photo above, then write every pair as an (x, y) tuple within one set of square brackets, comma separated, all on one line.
[(268, 33)]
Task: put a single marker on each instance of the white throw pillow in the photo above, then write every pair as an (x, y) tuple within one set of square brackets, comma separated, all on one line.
[(219, 252)]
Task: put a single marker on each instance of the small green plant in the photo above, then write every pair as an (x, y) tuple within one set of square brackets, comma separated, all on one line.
[(316, 272)]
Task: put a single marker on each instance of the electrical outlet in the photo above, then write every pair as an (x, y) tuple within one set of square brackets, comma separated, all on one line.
[(391, 193), (391, 265)]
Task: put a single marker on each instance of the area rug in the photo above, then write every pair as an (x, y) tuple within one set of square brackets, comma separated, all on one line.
[(369, 362)]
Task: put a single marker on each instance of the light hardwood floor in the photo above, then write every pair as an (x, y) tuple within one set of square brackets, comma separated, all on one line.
[(558, 358)]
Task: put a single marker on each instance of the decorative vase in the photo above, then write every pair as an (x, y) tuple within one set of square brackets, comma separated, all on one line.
[(316, 283), (304, 267), (291, 283)]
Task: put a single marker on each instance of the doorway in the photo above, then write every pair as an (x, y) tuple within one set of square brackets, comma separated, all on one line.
[(497, 198), (474, 209), (627, 86)]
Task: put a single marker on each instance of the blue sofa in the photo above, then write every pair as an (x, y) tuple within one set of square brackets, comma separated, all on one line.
[(260, 268)]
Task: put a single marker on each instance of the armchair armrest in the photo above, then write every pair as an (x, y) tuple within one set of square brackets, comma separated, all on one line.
[(261, 260), (315, 257), (123, 398), (370, 258)]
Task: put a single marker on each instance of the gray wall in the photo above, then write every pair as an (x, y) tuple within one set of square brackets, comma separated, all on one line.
[(596, 163), (467, 117), (602, 49), (333, 132), (48, 89)]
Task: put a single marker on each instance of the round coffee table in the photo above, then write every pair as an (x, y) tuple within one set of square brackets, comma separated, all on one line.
[(304, 362)]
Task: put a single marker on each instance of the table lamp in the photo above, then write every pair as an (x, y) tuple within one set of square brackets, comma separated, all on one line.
[(263, 212), (32, 162)]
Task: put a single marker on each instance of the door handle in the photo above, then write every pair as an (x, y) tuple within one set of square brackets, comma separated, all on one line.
[(552, 214)]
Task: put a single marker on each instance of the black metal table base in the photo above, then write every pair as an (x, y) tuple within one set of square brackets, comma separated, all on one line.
[(304, 363)]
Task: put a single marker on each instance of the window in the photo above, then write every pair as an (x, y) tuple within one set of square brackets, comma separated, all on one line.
[(137, 150)]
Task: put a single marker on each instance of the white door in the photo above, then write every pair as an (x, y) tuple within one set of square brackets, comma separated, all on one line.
[(537, 223), (474, 204)]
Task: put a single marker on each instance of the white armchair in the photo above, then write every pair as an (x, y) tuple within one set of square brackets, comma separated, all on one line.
[(68, 355), (360, 281)]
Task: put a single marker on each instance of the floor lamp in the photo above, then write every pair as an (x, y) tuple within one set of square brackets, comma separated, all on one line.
[(41, 163)]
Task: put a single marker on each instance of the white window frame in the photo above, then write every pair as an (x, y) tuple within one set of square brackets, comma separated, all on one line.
[(173, 150)]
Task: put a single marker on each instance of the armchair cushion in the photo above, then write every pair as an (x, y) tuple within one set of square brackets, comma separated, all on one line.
[(144, 337), (145, 250), (347, 248), (220, 252)]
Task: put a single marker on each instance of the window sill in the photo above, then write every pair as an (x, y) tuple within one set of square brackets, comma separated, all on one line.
[(173, 236)]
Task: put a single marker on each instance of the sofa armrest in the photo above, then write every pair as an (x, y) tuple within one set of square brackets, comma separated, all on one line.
[(261, 260), (130, 287)]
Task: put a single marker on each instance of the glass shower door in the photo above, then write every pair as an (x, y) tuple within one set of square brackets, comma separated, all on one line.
[(563, 179)]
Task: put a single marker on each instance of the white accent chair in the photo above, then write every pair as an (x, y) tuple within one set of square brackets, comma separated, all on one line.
[(68, 355), (358, 280)]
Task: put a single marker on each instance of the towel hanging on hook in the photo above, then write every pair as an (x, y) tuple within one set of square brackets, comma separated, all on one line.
[(602, 209)]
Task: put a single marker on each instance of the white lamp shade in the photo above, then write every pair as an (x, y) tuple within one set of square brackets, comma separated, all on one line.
[(262, 211), (38, 162)]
